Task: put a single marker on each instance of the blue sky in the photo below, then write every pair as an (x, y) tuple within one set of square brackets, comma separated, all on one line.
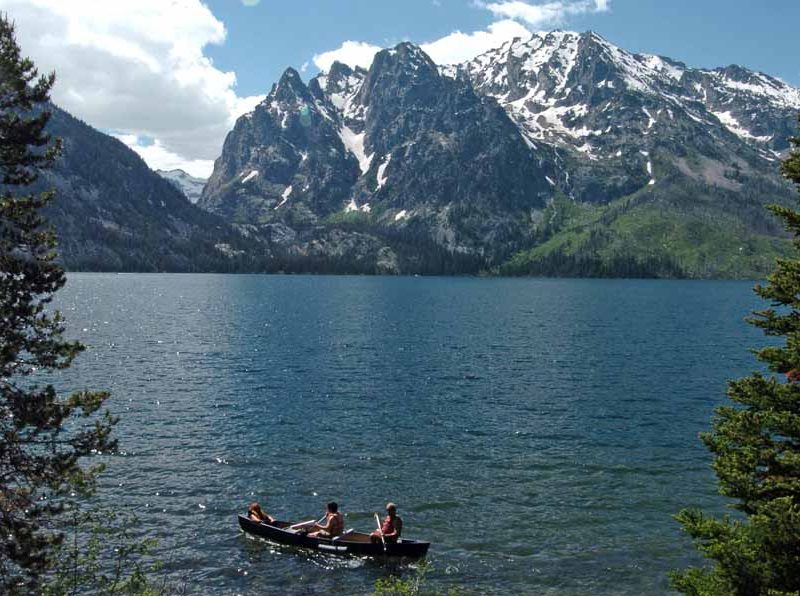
[(264, 39), (170, 77)]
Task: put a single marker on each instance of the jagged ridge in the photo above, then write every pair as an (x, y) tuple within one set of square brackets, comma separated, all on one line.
[(468, 157)]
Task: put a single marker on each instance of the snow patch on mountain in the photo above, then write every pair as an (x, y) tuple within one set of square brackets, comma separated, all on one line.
[(733, 125), (352, 207), (662, 66), (285, 196), (761, 86), (354, 143), (382, 172)]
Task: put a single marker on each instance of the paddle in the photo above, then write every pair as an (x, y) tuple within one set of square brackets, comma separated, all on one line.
[(380, 531), (309, 523)]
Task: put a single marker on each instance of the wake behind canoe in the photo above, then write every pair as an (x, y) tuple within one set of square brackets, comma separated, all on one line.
[(352, 543)]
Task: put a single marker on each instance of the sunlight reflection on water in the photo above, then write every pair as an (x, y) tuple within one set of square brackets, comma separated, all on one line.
[(541, 433)]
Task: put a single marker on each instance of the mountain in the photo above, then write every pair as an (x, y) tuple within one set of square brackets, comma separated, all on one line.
[(665, 170), (561, 154), (112, 213), (383, 152), (190, 186)]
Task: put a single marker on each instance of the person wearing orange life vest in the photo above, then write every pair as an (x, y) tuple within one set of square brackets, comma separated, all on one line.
[(334, 523), (392, 526)]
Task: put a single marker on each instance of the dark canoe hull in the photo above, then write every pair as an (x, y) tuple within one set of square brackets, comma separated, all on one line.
[(411, 549)]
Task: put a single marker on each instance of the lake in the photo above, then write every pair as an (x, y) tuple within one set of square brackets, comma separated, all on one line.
[(541, 433)]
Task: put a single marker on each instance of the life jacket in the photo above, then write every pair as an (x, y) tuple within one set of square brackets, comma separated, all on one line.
[(336, 524), (388, 525)]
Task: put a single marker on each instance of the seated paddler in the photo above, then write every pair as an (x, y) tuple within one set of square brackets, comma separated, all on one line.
[(391, 528), (333, 525)]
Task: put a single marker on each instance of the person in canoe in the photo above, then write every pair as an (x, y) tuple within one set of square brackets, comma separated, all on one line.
[(391, 528), (256, 513), (333, 526)]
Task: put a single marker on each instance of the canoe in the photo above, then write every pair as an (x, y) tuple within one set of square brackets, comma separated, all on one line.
[(351, 543)]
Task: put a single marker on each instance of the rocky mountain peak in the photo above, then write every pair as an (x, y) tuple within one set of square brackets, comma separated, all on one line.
[(341, 78), (339, 86), (404, 68), (412, 55), (290, 88)]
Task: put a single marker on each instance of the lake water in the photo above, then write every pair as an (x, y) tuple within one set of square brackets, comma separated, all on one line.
[(541, 433)]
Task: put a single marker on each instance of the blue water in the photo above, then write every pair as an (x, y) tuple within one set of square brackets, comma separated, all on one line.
[(541, 433)]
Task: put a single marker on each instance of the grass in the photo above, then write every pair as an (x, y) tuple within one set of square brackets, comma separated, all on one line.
[(690, 234)]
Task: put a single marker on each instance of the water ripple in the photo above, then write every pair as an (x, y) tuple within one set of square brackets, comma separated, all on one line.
[(541, 433)]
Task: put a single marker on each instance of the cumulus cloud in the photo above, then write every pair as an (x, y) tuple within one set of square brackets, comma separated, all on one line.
[(517, 19), (137, 67), (460, 47), (544, 14), (352, 53), (456, 47)]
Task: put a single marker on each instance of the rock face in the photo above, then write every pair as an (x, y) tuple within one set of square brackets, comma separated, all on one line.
[(190, 186), (558, 154), (387, 149), (111, 212), (441, 159), (285, 161), (478, 159)]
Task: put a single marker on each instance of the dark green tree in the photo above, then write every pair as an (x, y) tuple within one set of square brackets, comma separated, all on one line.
[(756, 448), (44, 435)]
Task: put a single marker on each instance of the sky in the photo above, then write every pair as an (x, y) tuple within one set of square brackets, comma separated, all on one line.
[(170, 77)]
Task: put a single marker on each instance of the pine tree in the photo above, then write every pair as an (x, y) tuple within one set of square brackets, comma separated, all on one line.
[(45, 436), (756, 447)]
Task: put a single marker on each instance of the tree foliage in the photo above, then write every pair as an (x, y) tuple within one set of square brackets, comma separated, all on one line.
[(44, 435), (103, 554), (415, 585), (756, 447)]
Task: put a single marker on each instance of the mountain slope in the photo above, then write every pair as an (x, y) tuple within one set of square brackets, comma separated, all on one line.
[(698, 147), (111, 212)]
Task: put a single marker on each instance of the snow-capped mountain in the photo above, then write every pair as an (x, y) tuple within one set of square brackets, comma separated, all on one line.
[(390, 144), (476, 158), (557, 84), (612, 109), (190, 186)]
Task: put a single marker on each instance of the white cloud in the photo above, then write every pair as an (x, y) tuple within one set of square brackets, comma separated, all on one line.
[(159, 157), (517, 18), (544, 14), (456, 47), (251, 2), (460, 47), (352, 53), (136, 67)]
